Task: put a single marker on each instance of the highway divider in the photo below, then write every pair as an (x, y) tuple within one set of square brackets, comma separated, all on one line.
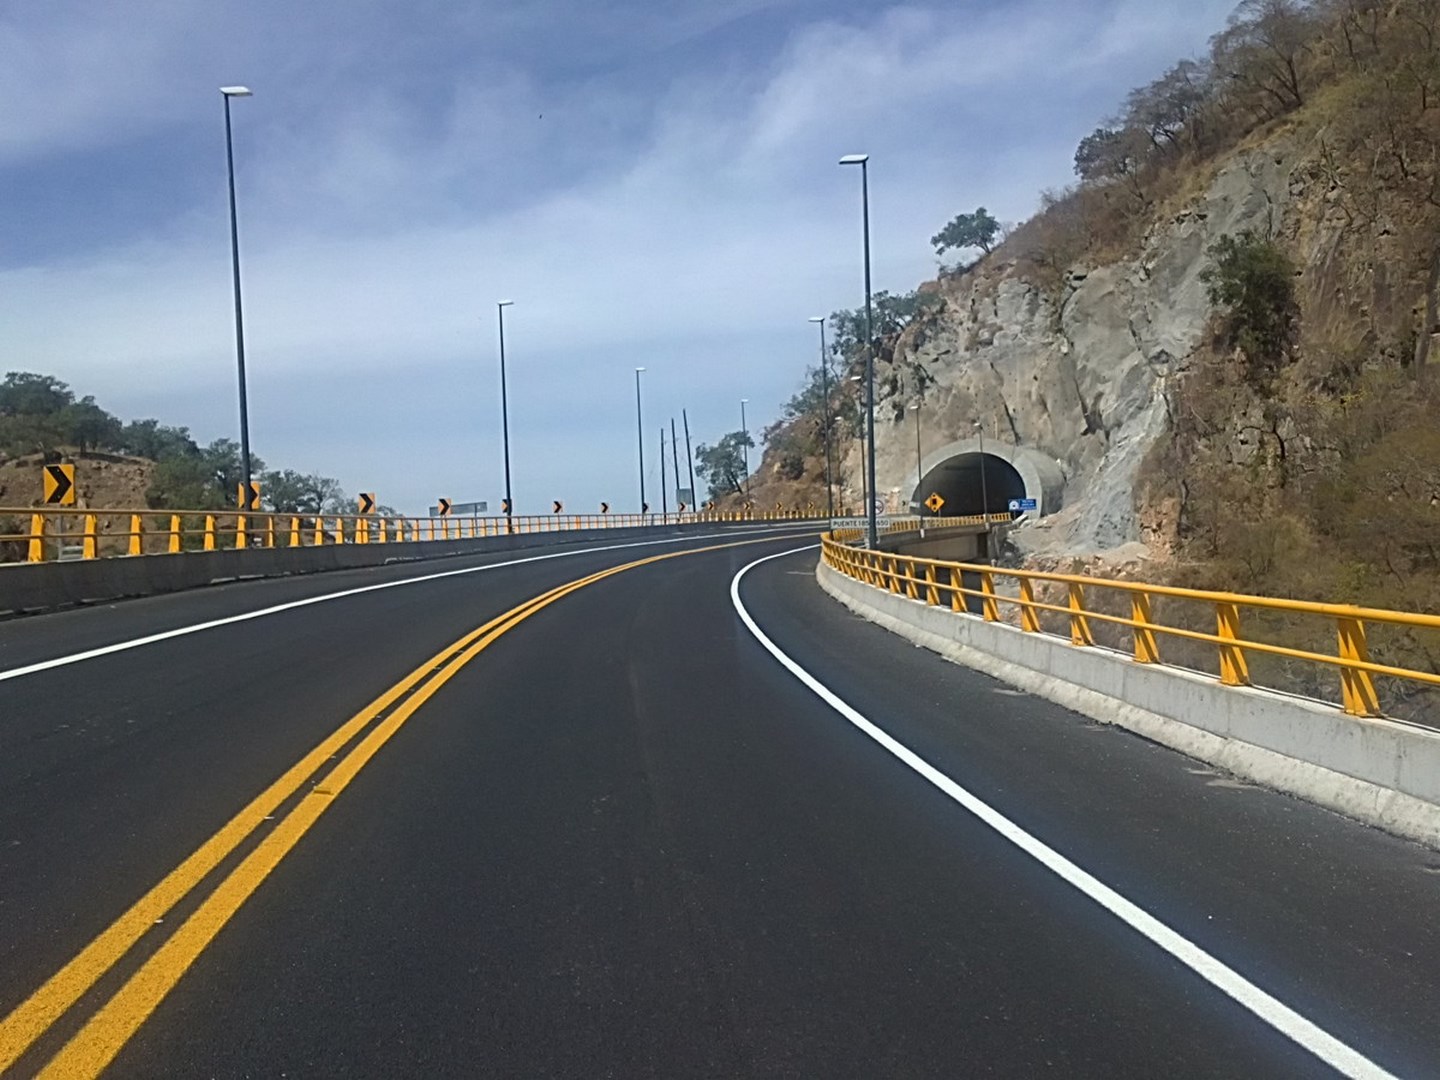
[(43, 586), (1344, 756)]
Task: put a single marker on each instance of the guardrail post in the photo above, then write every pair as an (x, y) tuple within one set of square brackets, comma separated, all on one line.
[(137, 535), (989, 606), (1147, 650), (1357, 687), (892, 571), (239, 532), (932, 594), (269, 530), (1029, 617), (1233, 669), (362, 530), (295, 532), (37, 538), (90, 547), (339, 530), (957, 582), (1079, 624), (176, 542), (911, 589), (319, 538)]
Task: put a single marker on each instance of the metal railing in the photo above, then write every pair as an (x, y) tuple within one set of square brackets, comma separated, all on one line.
[(60, 533), (849, 534), (1020, 596)]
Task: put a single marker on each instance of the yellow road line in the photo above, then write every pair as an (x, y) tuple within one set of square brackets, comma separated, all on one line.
[(96, 1044)]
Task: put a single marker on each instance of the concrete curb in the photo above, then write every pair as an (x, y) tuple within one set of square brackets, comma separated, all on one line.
[(1381, 772), (33, 587)]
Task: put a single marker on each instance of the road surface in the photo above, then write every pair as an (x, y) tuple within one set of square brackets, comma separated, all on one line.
[(612, 835)]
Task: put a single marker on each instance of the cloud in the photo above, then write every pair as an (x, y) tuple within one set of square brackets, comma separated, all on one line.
[(690, 223)]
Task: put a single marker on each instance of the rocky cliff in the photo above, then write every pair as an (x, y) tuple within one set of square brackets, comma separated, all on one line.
[(1077, 371)]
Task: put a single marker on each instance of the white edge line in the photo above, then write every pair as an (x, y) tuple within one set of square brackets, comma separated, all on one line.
[(259, 613), (1274, 1012)]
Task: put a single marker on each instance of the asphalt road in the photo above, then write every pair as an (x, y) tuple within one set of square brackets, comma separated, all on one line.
[(621, 840)]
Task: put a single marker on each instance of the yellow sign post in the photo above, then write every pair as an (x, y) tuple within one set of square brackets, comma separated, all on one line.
[(59, 485)]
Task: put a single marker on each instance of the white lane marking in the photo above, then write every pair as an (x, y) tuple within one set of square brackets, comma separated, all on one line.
[(1274, 1012), (259, 613)]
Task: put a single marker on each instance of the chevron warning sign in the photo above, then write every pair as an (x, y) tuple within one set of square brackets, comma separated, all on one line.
[(247, 500), (367, 502), (59, 484)]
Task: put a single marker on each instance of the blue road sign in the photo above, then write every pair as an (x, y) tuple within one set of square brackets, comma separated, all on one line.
[(1023, 504)]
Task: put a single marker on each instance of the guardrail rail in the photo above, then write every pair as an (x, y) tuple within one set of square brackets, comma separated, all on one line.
[(1019, 596)]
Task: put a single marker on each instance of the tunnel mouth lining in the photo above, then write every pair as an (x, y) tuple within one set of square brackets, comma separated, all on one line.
[(966, 490)]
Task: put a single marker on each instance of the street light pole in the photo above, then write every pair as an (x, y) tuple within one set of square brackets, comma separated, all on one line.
[(984, 493), (640, 435), (863, 160), (500, 307), (689, 459), (864, 488), (675, 461), (745, 446), (664, 493), (825, 394), (227, 92), (915, 408)]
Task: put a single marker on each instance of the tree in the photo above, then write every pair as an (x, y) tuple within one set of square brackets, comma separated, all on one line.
[(1170, 105), (23, 393), (1261, 49), (88, 427), (286, 491), (968, 231), (1252, 283), (153, 440), (723, 465)]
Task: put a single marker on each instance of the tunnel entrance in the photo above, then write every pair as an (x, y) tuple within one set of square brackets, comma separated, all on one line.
[(970, 483)]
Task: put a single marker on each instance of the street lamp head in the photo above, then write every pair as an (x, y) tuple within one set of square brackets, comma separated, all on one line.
[(817, 318), (744, 401), (236, 91), (854, 159), (915, 407), (504, 303), (639, 369)]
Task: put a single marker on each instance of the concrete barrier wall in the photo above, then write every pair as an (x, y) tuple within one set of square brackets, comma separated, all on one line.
[(31, 587), (1382, 772)]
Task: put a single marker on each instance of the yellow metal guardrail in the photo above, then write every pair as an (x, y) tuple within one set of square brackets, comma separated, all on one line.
[(910, 523), (937, 582), (60, 533)]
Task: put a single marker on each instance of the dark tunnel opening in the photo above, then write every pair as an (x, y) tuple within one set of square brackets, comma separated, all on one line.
[(970, 484)]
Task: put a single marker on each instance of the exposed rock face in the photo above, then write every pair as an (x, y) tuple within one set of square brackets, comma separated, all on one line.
[(1078, 374)]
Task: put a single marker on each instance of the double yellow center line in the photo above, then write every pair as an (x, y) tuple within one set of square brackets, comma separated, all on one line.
[(95, 1045)]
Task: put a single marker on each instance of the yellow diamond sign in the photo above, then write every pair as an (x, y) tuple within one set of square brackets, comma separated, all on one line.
[(934, 502)]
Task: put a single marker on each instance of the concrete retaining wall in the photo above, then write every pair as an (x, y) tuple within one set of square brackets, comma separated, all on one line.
[(30, 587), (1382, 772)]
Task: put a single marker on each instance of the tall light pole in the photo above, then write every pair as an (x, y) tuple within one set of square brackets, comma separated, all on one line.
[(745, 445), (675, 461), (500, 306), (915, 408), (228, 92), (984, 493), (863, 160), (864, 488), (825, 394), (689, 458), (640, 435)]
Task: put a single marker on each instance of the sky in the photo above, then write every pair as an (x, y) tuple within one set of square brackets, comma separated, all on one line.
[(653, 183)]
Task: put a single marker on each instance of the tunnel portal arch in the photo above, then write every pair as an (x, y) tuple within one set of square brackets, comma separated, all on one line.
[(1009, 472)]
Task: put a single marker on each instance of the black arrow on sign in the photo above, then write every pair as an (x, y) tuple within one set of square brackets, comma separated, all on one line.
[(558, 507), (444, 507), (367, 503), (644, 508), (505, 506), (604, 508)]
